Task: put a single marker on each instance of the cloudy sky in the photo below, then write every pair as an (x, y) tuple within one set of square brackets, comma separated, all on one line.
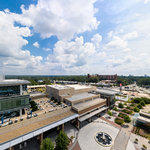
[(56, 37)]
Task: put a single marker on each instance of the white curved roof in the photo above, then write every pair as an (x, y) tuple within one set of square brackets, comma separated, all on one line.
[(13, 82)]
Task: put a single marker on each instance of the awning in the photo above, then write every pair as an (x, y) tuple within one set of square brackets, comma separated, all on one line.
[(92, 114)]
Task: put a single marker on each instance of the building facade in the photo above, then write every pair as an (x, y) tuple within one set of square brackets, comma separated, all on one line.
[(13, 95)]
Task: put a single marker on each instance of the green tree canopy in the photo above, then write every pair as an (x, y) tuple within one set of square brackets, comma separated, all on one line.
[(127, 119), (33, 105), (62, 141), (47, 144), (120, 105), (136, 109)]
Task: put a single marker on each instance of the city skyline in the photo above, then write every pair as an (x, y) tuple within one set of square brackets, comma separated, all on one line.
[(59, 37)]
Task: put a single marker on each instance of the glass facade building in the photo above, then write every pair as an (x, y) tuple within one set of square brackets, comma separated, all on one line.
[(13, 95), (13, 103)]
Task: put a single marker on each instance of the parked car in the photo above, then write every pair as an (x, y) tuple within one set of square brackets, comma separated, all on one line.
[(28, 116), (51, 110), (10, 122), (35, 115), (4, 125), (16, 120), (21, 119)]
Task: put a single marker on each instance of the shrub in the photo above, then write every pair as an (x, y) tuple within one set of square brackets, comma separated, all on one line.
[(127, 111), (127, 119), (119, 121), (136, 100), (132, 104), (144, 146), (109, 113), (142, 103), (139, 106), (115, 108), (136, 109), (122, 115), (120, 105), (146, 100)]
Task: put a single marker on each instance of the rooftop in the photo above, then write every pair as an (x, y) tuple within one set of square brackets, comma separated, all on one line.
[(13, 82), (81, 96), (84, 105), (106, 91), (35, 86), (27, 126), (78, 86), (58, 87)]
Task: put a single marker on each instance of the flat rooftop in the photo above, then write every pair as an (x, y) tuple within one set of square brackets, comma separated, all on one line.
[(35, 86), (143, 119), (79, 96), (58, 87), (37, 94), (106, 91), (79, 87), (13, 131), (13, 82), (84, 105)]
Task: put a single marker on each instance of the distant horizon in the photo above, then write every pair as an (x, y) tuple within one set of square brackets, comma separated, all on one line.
[(81, 75)]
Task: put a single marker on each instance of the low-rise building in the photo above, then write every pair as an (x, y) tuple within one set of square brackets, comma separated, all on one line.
[(85, 101)]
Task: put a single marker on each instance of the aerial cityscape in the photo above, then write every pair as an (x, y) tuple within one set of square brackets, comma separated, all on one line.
[(74, 75)]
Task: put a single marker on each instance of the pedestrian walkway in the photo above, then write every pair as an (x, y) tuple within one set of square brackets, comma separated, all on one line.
[(121, 140), (111, 122)]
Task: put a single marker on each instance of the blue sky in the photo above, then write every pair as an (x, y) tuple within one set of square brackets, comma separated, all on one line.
[(55, 37)]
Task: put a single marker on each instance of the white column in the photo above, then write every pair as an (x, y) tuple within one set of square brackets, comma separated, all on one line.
[(20, 112), (21, 92)]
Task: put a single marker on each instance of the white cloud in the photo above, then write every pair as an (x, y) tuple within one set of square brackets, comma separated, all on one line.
[(12, 56), (96, 40), (47, 49), (36, 44), (62, 18), (130, 36), (146, 1), (75, 54)]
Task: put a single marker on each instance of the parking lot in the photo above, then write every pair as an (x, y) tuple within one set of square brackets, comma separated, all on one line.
[(45, 105)]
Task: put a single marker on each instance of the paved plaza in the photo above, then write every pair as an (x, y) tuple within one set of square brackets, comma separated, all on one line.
[(120, 139), (87, 133)]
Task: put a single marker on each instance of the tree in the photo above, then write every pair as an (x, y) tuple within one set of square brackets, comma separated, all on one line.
[(127, 119), (47, 144), (33, 105), (136, 109), (120, 105), (62, 141)]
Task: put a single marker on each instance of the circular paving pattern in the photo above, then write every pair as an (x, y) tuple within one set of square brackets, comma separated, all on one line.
[(103, 139)]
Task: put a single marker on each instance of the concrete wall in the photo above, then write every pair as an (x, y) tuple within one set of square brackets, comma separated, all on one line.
[(91, 108)]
